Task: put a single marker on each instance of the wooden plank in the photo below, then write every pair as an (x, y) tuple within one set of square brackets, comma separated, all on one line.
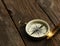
[(56, 9), (9, 35), (22, 11), (52, 9)]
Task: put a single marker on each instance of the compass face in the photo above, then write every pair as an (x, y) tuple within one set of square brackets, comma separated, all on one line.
[(37, 28)]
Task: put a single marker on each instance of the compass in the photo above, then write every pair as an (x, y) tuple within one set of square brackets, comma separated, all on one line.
[(37, 28)]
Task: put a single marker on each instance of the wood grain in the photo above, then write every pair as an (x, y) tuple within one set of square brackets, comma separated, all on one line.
[(52, 9), (22, 11), (9, 35)]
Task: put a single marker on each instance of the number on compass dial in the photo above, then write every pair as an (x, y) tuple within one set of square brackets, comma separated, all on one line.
[(37, 30)]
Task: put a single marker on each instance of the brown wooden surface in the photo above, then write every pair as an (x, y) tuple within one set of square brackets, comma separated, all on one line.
[(25, 10), (22, 11), (9, 35), (51, 8)]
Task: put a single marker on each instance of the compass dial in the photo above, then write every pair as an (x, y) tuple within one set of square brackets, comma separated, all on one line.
[(37, 28)]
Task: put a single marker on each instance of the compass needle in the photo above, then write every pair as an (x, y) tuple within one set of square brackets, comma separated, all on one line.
[(34, 32), (41, 26), (38, 29)]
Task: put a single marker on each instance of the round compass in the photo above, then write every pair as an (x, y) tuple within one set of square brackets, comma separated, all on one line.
[(37, 28)]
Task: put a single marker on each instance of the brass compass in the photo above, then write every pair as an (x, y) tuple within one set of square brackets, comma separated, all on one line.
[(37, 28)]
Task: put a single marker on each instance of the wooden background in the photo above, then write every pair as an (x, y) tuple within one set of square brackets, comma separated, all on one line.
[(14, 13)]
